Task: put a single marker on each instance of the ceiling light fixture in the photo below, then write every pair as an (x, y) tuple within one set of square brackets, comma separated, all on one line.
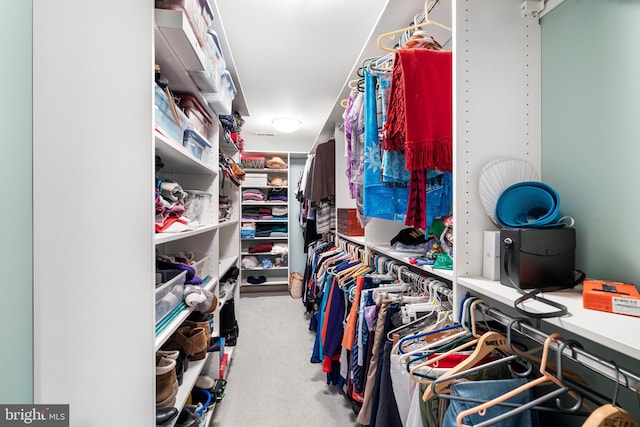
[(286, 124)]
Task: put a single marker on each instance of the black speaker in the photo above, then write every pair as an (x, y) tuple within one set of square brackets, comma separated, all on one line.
[(534, 258)]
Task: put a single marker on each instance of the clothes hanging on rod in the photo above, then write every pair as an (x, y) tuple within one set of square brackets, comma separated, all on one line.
[(369, 348)]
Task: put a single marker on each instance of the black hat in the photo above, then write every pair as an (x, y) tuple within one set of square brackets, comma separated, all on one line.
[(410, 236)]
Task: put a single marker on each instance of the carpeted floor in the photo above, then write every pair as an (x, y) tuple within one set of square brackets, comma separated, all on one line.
[(271, 382)]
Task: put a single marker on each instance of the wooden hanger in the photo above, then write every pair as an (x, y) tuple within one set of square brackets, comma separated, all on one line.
[(425, 23), (545, 377), (610, 414), (485, 345)]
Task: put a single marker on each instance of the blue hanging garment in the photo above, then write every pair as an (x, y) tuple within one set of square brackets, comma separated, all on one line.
[(379, 200)]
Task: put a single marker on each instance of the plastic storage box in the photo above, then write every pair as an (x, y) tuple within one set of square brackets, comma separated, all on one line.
[(169, 294), (258, 179), (164, 117), (198, 13), (204, 267), (208, 81), (196, 143), (198, 118), (221, 101), (195, 204)]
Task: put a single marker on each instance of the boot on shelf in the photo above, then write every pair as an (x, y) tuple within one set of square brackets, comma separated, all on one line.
[(166, 382)]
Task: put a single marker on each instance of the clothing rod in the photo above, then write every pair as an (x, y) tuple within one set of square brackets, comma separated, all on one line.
[(605, 368)]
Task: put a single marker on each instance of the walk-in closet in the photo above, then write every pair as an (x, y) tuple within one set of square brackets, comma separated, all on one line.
[(389, 213)]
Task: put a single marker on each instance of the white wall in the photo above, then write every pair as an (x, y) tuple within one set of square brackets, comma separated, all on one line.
[(16, 313), (93, 210)]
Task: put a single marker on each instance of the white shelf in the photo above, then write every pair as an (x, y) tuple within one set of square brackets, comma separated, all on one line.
[(227, 223), (170, 237), (227, 147), (269, 282), (265, 269), (355, 239), (189, 378), (171, 327), (264, 186), (385, 249), (177, 51), (178, 159), (265, 203), (266, 170), (259, 253), (267, 238), (265, 220), (608, 329)]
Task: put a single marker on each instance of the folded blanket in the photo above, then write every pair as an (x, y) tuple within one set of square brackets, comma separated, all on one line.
[(280, 211), (276, 198), (264, 247)]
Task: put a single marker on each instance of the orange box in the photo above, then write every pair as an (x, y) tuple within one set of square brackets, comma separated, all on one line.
[(613, 297)]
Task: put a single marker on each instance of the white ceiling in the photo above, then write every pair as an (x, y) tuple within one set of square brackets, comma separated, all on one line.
[(292, 58)]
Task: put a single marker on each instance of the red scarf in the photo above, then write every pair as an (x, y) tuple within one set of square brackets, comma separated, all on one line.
[(419, 118)]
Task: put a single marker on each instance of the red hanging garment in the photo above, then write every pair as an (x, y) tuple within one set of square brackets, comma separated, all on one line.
[(419, 118)]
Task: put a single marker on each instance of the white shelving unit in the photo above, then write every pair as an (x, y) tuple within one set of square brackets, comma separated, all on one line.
[(101, 164), (178, 52), (497, 114), (277, 276)]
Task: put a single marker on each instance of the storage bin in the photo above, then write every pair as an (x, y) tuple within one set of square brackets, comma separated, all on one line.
[(170, 294), (195, 204), (198, 118), (198, 13), (221, 101), (204, 267), (348, 223), (208, 81), (257, 179), (196, 143), (164, 117), (247, 234), (252, 162)]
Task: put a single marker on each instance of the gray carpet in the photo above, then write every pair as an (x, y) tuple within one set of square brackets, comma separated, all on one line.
[(271, 382)]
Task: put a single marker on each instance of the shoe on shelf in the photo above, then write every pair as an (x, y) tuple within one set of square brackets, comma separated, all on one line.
[(190, 340), (206, 326), (188, 417), (164, 415), (169, 354), (204, 382), (166, 382)]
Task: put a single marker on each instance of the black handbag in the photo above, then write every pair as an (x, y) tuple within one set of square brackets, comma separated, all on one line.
[(541, 259)]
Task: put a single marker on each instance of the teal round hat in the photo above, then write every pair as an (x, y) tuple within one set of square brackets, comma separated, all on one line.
[(529, 204)]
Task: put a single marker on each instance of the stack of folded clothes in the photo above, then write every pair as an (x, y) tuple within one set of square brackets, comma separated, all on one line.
[(280, 212), (251, 213), (265, 213), (279, 249), (277, 195), (263, 248), (279, 231), (252, 194), (263, 230), (271, 230), (170, 209)]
